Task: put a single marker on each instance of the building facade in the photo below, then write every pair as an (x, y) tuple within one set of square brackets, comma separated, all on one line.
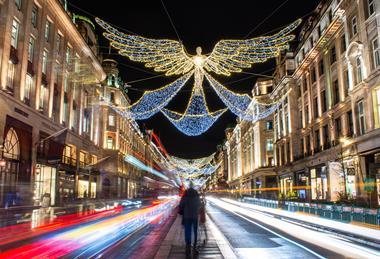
[(57, 142), (326, 137), (249, 151)]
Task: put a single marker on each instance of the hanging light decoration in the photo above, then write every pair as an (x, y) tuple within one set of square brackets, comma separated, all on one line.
[(171, 58), (153, 101), (197, 118)]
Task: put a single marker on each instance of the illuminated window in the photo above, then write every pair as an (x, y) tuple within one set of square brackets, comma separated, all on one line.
[(269, 125), (269, 144), (111, 120), (110, 142), (359, 74), (11, 74), (378, 106), (29, 85), (43, 96), (14, 33), (31, 48), (47, 30), (11, 145), (68, 55), (376, 52), (44, 61), (361, 117)]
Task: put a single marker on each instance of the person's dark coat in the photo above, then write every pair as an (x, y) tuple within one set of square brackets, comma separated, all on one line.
[(189, 205)]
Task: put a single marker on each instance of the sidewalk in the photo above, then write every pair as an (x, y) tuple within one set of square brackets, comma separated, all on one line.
[(173, 246)]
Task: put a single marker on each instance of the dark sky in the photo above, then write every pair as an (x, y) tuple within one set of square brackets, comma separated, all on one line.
[(199, 23)]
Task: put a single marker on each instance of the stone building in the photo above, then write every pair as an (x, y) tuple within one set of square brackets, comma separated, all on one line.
[(327, 140), (58, 142), (48, 78), (249, 151)]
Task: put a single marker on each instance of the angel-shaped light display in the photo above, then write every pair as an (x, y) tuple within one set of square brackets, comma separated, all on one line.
[(170, 57)]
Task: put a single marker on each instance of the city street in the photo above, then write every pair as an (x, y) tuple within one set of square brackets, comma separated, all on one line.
[(190, 129)]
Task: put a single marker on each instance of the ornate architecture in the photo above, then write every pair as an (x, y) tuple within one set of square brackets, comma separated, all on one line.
[(249, 150), (327, 133)]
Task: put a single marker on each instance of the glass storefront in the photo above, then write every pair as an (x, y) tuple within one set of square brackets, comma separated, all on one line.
[(319, 183), (45, 183), (83, 188), (286, 184), (66, 186)]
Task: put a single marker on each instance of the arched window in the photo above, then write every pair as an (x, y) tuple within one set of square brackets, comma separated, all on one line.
[(11, 145)]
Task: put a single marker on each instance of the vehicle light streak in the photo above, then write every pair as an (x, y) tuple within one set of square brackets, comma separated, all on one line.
[(330, 242), (97, 233), (134, 161), (23, 231)]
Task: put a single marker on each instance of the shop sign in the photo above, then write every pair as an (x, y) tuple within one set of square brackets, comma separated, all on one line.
[(369, 184)]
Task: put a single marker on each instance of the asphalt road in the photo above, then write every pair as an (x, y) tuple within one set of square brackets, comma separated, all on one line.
[(251, 238)]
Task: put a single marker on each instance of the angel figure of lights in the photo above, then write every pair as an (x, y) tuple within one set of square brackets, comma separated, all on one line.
[(170, 57)]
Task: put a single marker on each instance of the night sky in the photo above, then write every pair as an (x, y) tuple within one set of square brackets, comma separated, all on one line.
[(199, 23)]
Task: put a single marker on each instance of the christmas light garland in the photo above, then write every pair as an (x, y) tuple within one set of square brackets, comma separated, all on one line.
[(170, 57), (197, 118), (153, 101)]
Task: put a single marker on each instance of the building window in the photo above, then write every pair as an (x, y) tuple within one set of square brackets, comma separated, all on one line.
[(321, 68), (338, 128), (306, 114), (305, 85), (11, 145), (43, 96), (14, 33), (376, 52), (269, 125), (313, 75), (361, 117), (371, 7), (378, 105), (11, 75), (47, 30), (323, 101), (317, 140), (343, 44), (359, 75), (58, 42), (34, 16), (18, 4), (336, 92), (65, 111), (326, 136), (354, 26), (109, 142), (346, 83), (269, 145), (111, 120), (307, 145), (44, 61), (68, 55), (350, 123), (315, 107), (31, 49), (112, 97), (332, 55), (29, 85)]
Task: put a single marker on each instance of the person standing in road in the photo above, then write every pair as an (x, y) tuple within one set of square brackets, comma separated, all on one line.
[(189, 209)]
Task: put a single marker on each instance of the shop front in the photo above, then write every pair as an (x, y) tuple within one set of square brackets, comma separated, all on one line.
[(286, 185), (66, 186), (319, 183), (45, 185), (303, 184), (15, 164)]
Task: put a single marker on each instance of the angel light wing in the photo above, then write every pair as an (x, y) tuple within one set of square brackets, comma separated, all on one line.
[(229, 56), (163, 55)]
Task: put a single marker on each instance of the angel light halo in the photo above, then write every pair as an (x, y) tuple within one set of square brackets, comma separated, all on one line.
[(228, 56)]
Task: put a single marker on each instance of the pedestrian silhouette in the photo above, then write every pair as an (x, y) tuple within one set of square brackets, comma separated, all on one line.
[(189, 209)]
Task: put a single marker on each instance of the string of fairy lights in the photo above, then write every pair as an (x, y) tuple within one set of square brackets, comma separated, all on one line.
[(170, 57)]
